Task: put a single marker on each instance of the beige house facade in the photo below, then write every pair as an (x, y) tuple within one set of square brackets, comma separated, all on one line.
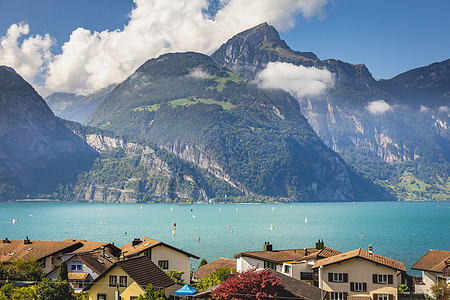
[(359, 274), (163, 255)]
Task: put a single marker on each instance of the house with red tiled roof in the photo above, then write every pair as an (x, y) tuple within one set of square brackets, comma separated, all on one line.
[(127, 279), (359, 274), (85, 267), (49, 253), (435, 266), (295, 263), (163, 255), (209, 268)]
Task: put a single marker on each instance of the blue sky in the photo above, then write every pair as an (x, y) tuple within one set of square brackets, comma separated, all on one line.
[(389, 36)]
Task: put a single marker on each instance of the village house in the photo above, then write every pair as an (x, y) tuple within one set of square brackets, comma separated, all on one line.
[(435, 266), (85, 267), (163, 255), (127, 279), (48, 253), (360, 274), (295, 263)]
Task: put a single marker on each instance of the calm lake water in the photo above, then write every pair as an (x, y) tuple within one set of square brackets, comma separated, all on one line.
[(401, 230)]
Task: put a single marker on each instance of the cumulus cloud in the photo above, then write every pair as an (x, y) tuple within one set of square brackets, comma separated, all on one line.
[(378, 107), (299, 81), (28, 57), (92, 60)]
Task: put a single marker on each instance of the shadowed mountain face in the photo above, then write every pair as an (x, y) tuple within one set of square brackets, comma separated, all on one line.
[(377, 126), (37, 152), (256, 140)]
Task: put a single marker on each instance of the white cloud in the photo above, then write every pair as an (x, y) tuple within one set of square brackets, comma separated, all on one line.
[(92, 60), (28, 57), (378, 107), (423, 109), (199, 73), (444, 109), (299, 81)]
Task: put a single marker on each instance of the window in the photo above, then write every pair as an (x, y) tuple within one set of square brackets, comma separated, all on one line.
[(337, 295), (270, 265), (73, 267), (123, 281), (101, 297), (306, 275), (358, 287), (148, 253), (113, 280), (337, 277), (383, 297), (381, 278), (163, 264), (287, 269)]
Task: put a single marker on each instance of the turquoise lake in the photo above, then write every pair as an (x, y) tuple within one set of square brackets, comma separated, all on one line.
[(401, 230)]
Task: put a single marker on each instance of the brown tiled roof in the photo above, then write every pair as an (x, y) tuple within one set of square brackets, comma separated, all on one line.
[(145, 272), (129, 250), (433, 260), (96, 261), (219, 263), (16, 249), (87, 245), (142, 270), (280, 256), (361, 253)]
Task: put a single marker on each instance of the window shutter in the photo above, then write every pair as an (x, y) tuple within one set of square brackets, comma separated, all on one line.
[(390, 279), (345, 277), (346, 294), (352, 286), (375, 296), (375, 278), (391, 297), (330, 277), (364, 287), (328, 296)]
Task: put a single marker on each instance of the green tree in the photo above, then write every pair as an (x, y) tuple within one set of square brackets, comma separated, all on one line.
[(152, 294), (10, 292), (203, 262), (403, 288), (54, 290), (441, 290), (25, 269), (82, 296), (218, 276), (63, 274), (176, 276)]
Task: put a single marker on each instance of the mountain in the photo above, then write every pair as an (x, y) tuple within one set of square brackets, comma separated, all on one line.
[(377, 126), (255, 140), (37, 152), (76, 107), (428, 85), (132, 170)]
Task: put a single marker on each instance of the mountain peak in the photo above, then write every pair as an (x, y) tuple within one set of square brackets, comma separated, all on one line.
[(260, 33)]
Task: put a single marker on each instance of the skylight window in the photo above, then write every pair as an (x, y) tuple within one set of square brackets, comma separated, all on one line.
[(146, 244), (29, 249)]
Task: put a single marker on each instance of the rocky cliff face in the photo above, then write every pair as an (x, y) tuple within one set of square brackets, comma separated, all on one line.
[(37, 151), (142, 173)]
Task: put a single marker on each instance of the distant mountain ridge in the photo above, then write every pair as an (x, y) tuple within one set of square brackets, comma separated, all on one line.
[(37, 152), (403, 144)]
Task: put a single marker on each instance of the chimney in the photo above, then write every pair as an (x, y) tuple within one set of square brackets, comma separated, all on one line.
[(370, 249), (267, 247), (6, 241), (306, 251), (320, 245), (103, 250), (26, 241), (136, 242)]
